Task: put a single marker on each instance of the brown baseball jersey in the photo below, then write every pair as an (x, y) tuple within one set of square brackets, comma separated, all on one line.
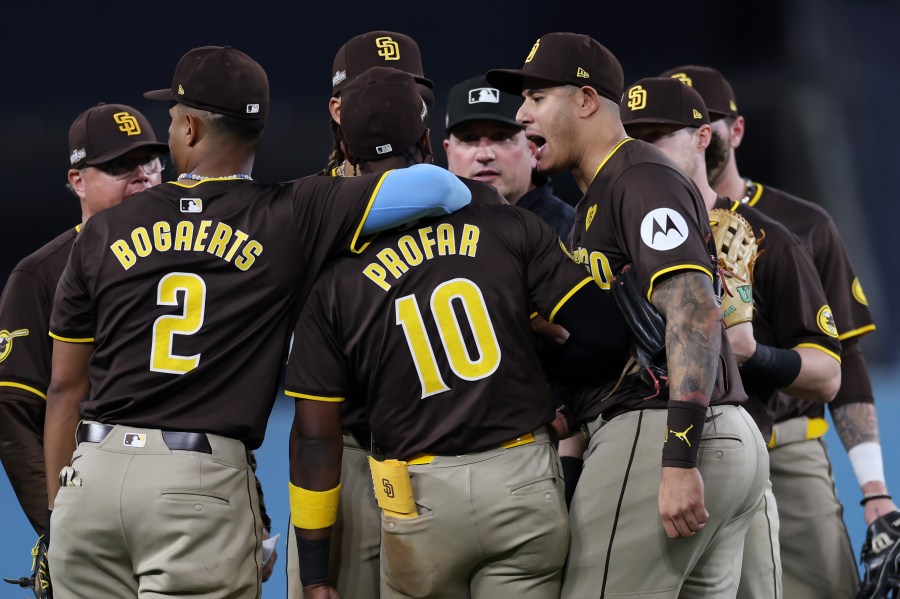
[(432, 327), (189, 292), (640, 209), (788, 299), (848, 314)]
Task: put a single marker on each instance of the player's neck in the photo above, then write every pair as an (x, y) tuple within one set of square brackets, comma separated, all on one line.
[(597, 153), (730, 183), (221, 166)]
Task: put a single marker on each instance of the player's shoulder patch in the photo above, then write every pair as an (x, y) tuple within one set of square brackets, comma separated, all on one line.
[(825, 320), (6, 341), (663, 229), (857, 291)]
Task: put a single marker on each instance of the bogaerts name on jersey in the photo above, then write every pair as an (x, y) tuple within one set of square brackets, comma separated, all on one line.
[(421, 245), (222, 241)]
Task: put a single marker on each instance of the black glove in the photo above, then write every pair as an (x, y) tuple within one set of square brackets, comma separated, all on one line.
[(39, 581), (881, 556)]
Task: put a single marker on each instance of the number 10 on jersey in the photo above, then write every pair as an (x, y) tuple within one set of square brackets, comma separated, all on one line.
[(463, 365)]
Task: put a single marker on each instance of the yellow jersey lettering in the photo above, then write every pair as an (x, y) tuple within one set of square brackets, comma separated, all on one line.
[(124, 254), (162, 236), (600, 269), (251, 252), (141, 240), (377, 275), (219, 240), (468, 245), (445, 241), (199, 246), (392, 262), (184, 234), (239, 238), (411, 252), (428, 242)]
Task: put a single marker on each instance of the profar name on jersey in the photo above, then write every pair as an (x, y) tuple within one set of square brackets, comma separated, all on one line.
[(222, 241), (423, 244)]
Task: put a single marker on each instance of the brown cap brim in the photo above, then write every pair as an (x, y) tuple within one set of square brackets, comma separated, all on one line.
[(513, 81), (656, 121), (423, 81), (124, 149), (159, 94)]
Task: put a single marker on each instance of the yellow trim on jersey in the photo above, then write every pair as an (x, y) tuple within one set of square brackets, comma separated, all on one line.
[(566, 297), (672, 269), (193, 183), (533, 316), (615, 149), (325, 398), (25, 387), (757, 195), (71, 339), (365, 215), (857, 332), (734, 207), (822, 349)]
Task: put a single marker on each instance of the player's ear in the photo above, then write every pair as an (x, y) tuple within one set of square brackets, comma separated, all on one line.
[(737, 131), (589, 101), (334, 107), (76, 181), (703, 136)]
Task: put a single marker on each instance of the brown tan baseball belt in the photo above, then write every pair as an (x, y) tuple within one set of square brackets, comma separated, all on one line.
[(95, 432)]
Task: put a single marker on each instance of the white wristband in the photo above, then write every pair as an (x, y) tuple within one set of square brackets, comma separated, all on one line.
[(867, 462)]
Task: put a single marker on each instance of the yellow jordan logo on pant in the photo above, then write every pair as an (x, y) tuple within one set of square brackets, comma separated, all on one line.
[(682, 435)]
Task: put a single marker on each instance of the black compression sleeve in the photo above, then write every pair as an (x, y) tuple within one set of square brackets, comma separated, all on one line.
[(778, 366)]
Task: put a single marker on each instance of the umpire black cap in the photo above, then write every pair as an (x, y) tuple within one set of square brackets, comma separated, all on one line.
[(566, 59), (382, 114), (662, 101), (476, 99), (219, 79), (107, 131), (712, 86)]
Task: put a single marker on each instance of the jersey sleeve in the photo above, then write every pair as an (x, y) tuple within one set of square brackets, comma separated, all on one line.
[(802, 317), (24, 345), (317, 368), (842, 287), (72, 319), (661, 223)]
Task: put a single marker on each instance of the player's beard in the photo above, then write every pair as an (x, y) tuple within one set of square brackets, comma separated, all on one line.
[(716, 157)]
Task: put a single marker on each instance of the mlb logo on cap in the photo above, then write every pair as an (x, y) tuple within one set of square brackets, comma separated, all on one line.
[(252, 108), (191, 205), (134, 440), (484, 94), (385, 149)]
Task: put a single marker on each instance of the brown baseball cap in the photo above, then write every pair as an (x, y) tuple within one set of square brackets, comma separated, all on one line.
[(382, 113), (565, 59), (379, 49), (662, 101), (107, 131), (219, 79), (712, 86)]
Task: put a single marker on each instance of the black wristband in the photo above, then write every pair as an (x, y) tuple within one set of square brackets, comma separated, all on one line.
[(684, 426), (779, 367), (313, 556), (867, 498)]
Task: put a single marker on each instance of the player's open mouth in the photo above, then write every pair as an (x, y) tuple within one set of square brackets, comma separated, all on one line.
[(538, 141)]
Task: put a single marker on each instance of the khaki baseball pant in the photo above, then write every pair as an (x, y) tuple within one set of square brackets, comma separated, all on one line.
[(761, 570), (491, 524), (150, 522), (619, 546)]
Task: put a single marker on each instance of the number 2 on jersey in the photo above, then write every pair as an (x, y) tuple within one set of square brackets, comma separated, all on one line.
[(187, 323), (461, 363)]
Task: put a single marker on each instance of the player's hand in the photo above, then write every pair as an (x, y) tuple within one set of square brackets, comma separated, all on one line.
[(876, 508), (740, 336), (320, 591), (550, 331), (269, 566), (681, 504)]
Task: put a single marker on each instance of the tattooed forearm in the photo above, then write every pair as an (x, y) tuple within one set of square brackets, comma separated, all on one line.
[(856, 423), (693, 334)]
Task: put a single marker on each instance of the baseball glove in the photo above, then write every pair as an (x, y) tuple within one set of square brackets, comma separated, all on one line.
[(39, 581), (736, 249), (881, 557)]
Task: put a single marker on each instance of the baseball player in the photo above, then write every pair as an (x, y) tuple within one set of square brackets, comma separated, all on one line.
[(784, 347), (170, 325), (430, 327), (485, 143), (816, 554), (687, 516), (356, 56), (113, 155), (355, 554)]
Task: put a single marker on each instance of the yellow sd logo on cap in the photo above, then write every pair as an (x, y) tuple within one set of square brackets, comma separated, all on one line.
[(127, 123), (637, 98), (389, 49), (534, 50)]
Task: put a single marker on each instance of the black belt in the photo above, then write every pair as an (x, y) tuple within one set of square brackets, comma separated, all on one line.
[(93, 432)]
